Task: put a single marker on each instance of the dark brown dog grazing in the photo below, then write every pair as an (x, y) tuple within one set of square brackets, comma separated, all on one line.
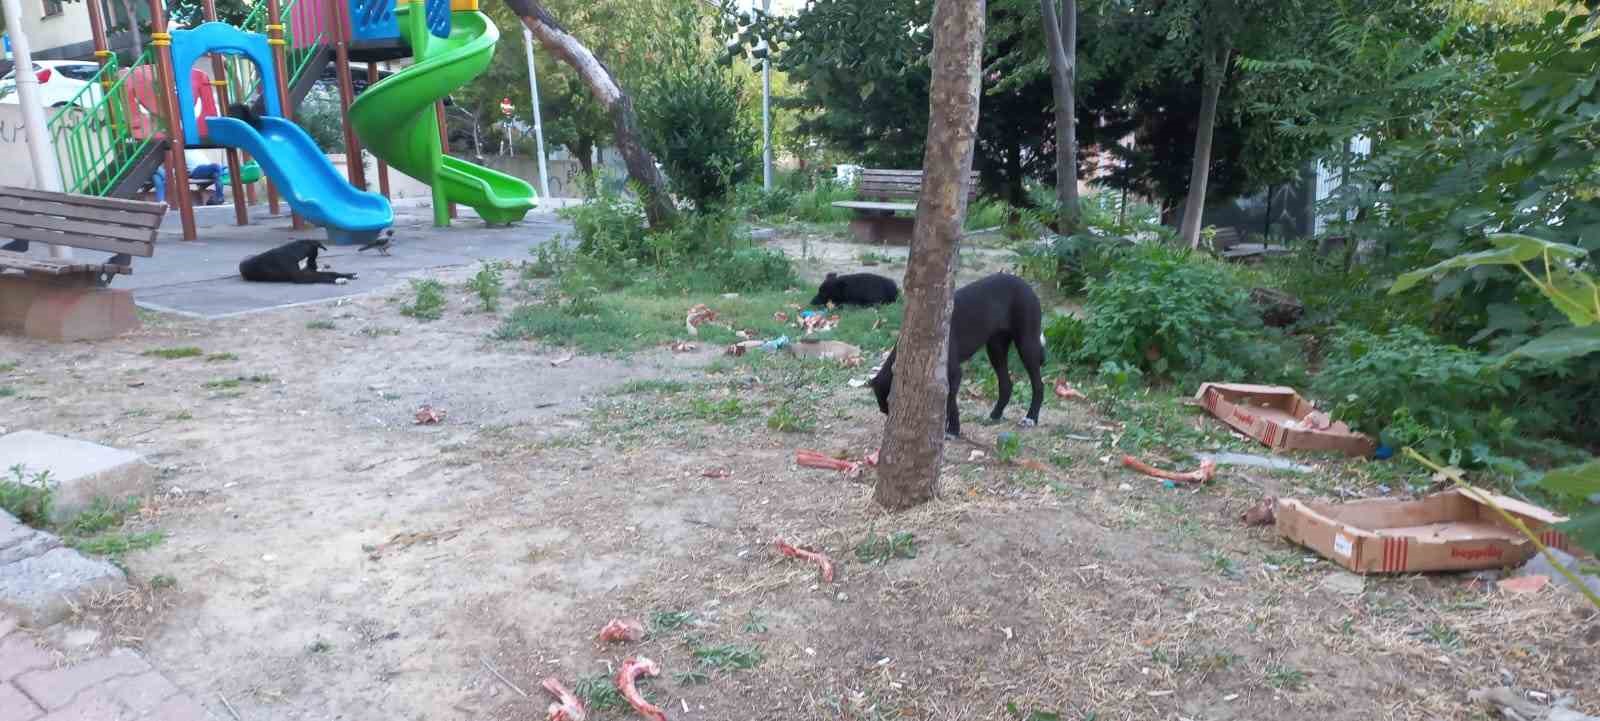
[(996, 312), (282, 265)]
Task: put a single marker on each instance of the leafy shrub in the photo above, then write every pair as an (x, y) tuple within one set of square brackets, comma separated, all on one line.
[(607, 223), (429, 301), (1414, 391), (757, 202), (690, 120), (1176, 315), (28, 496)]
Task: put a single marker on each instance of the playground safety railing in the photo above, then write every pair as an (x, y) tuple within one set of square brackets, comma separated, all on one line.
[(101, 132), (306, 29)]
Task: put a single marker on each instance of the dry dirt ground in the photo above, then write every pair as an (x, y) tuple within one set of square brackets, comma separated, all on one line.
[(328, 558)]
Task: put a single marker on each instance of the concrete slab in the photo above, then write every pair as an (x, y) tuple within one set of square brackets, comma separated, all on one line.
[(80, 471), (40, 591)]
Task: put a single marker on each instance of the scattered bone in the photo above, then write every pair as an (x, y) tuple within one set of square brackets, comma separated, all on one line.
[(622, 629), (1208, 468), (631, 670), (822, 561)]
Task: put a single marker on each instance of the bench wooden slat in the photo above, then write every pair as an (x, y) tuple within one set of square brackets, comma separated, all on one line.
[(11, 220), (131, 206), (118, 217), (143, 249), (50, 266)]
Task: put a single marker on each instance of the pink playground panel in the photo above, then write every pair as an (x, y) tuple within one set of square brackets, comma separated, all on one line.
[(310, 21)]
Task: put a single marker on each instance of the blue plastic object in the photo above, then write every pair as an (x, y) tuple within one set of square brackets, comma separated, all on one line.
[(311, 185), (438, 12), (373, 20), (217, 37), (775, 343), (1383, 453)]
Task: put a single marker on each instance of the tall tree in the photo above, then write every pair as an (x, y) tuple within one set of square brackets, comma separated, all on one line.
[(913, 444), (1061, 37), (641, 164)]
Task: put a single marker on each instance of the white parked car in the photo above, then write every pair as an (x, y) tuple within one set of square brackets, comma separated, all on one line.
[(59, 83)]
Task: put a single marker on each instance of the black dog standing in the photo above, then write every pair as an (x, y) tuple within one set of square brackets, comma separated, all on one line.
[(282, 265), (856, 289), (994, 312)]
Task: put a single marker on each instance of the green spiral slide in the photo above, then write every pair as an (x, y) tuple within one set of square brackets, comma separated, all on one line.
[(396, 120)]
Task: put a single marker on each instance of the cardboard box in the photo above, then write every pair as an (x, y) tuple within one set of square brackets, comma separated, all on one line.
[(1449, 531), (1280, 418)]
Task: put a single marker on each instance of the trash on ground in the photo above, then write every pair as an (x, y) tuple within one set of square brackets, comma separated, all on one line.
[(1280, 418), (826, 350), (858, 382), (975, 455), (1034, 465), (557, 362), (631, 670), (812, 321), (780, 317), (817, 459), (1263, 513), (1207, 469), (428, 415), (742, 347), (679, 346), (1254, 461), (697, 316), (1066, 391), (1541, 566), (622, 629), (569, 706), (1523, 584), (776, 343), (1512, 705), (1450, 531), (824, 564), (871, 458), (716, 473)]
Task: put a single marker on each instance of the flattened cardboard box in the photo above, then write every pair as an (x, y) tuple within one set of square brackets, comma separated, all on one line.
[(1450, 531), (1277, 416)]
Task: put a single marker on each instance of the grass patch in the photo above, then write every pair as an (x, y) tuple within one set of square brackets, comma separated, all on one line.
[(791, 417), (1287, 678), (7, 391), (870, 258), (8, 366), (487, 284), (101, 515), (428, 300), (670, 620), (1442, 635), (599, 692), (631, 320), (691, 678), (374, 331), (650, 385), (235, 382), (187, 351), (320, 325), (181, 416), (221, 357), (726, 410), (726, 657), (880, 549), (28, 496), (117, 545)]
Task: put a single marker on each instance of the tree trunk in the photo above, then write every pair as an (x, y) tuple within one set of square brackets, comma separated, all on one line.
[(641, 164), (913, 443), (1193, 206), (1061, 37), (585, 153)]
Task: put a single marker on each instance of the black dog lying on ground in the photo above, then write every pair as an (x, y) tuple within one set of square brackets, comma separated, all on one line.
[(856, 289), (994, 312), (282, 265)]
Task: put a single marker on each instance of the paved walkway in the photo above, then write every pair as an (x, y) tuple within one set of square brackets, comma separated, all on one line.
[(120, 686)]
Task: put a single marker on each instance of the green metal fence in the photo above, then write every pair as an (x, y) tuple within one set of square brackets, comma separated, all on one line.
[(94, 132)]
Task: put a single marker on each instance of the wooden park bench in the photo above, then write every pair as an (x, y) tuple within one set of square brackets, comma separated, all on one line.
[(68, 299), (1229, 245), (883, 196)]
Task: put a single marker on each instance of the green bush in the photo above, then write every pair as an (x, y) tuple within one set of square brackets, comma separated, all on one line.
[(1447, 401), (28, 496), (690, 120), (1173, 314), (759, 203)]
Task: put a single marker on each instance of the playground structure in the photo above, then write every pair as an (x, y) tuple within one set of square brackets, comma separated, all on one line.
[(149, 109)]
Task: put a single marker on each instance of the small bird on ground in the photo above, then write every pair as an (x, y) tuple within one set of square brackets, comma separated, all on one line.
[(381, 242)]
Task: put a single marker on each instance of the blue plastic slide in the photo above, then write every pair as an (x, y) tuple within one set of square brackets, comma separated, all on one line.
[(297, 167)]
